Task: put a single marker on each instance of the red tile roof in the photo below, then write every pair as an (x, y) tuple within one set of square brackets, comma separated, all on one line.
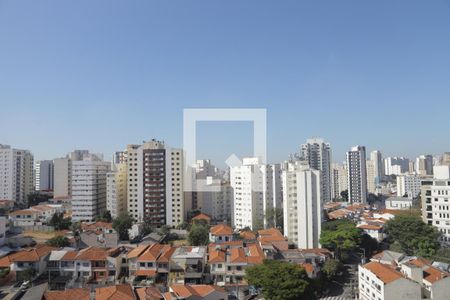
[(383, 272), (70, 294), (221, 229), (116, 292), (201, 290)]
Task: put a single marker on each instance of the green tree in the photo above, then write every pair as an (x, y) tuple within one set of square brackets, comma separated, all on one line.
[(274, 218), (122, 224), (280, 280), (331, 268), (105, 217), (27, 274), (340, 236), (59, 222), (58, 241), (344, 195), (369, 244), (198, 235), (413, 235), (35, 198)]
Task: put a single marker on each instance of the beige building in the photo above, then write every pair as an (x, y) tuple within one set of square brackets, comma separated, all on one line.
[(155, 184), (116, 190), (16, 174)]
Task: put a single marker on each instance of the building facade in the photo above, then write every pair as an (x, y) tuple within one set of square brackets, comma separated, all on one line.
[(44, 175), (408, 185), (303, 205), (318, 155), (88, 187), (357, 174), (116, 190), (16, 174)]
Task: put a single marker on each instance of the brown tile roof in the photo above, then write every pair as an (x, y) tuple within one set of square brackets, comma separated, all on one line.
[(23, 212), (5, 262), (237, 255), (216, 256), (70, 294), (202, 216), (116, 292), (147, 273), (420, 262), (383, 272), (148, 293), (31, 254), (137, 251), (309, 268), (221, 229), (92, 253), (70, 255), (432, 274), (96, 225), (247, 235), (200, 290), (157, 252)]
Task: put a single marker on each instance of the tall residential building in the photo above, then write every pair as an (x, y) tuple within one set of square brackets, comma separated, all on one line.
[(255, 190), (16, 174), (396, 165), (339, 179), (371, 177), (445, 159), (424, 165), (116, 190), (88, 187), (409, 185), (318, 155), (44, 175), (377, 161), (357, 174), (62, 172), (302, 206), (435, 195), (212, 195), (155, 184)]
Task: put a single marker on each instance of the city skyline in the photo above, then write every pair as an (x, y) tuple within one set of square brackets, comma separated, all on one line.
[(88, 81)]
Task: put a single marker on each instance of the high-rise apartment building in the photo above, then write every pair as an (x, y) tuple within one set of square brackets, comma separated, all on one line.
[(408, 185), (44, 175), (424, 165), (116, 190), (302, 205), (155, 184), (396, 165), (377, 160), (256, 189), (88, 187), (339, 179), (318, 155), (16, 174), (371, 177), (357, 174), (435, 197)]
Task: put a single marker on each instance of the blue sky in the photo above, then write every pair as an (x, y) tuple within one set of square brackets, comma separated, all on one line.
[(103, 74)]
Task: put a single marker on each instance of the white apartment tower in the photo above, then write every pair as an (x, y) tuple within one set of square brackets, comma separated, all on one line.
[(357, 174), (155, 184), (318, 155), (371, 177), (44, 175), (88, 187), (435, 198), (116, 190), (16, 174), (396, 165), (377, 160), (256, 188), (302, 206), (409, 185)]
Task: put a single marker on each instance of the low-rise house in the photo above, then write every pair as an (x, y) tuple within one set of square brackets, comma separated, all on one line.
[(201, 218), (98, 234), (388, 257), (383, 282), (115, 292), (34, 258), (87, 265), (227, 265), (188, 265), (35, 215), (132, 258), (399, 203), (195, 292), (153, 265), (220, 233), (374, 231), (271, 241)]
